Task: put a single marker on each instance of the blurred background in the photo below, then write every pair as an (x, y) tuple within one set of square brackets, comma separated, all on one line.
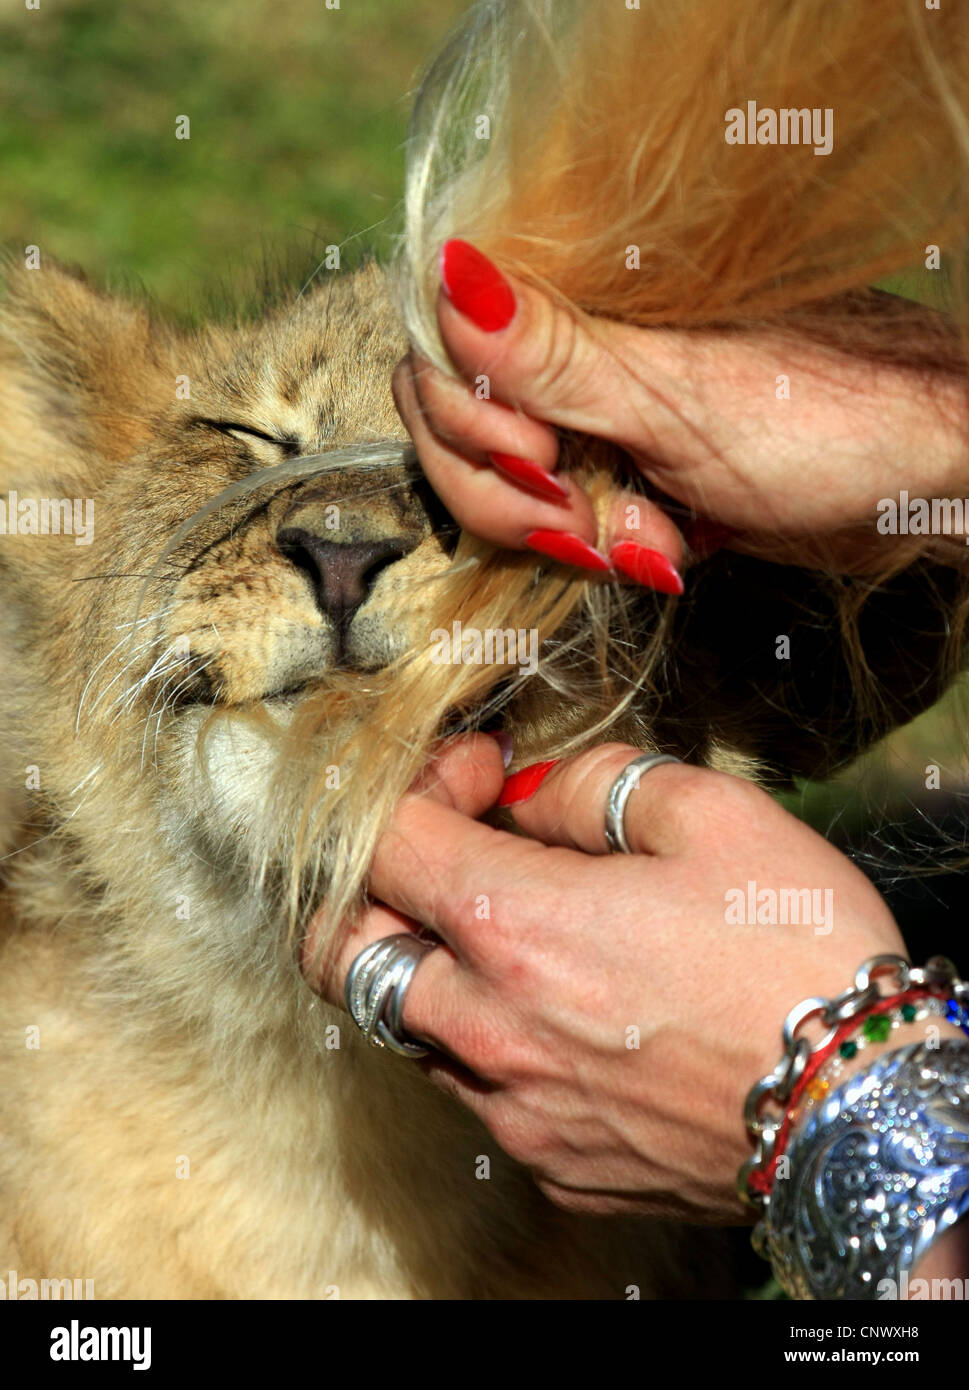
[(298, 115), (297, 120)]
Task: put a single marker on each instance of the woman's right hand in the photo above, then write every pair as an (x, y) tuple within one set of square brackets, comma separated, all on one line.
[(787, 443)]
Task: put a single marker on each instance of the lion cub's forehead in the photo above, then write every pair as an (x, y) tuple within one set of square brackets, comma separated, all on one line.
[(316, 371)]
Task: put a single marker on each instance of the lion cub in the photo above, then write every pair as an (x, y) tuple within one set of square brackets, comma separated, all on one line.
[(179, 1116)]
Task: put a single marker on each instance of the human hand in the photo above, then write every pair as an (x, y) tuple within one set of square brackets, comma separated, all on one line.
[(553, 950), (793, 479)]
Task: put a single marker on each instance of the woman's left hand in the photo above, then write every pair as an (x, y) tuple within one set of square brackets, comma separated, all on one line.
[(605, 1015)]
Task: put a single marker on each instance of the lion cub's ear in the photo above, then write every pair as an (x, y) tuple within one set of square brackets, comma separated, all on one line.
[(82, 373)]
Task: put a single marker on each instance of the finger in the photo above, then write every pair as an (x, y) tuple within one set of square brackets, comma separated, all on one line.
[(325, 963), (444, 1005), (476, 427), (644, 544), (463, 879), (436, 983), (466, 774), (541, 358), (480, 499), (436, 864), (672, 806)]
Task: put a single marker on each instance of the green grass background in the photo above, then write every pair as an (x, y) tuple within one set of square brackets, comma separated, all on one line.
[(298, 115)]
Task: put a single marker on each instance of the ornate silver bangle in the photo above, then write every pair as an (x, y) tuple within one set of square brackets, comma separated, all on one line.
[(769, 1098), (874, 1175)]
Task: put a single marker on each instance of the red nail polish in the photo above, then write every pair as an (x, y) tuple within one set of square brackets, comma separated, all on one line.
[(520, 786), (568, 549), (647, 567), (476, 287), (530, 475)]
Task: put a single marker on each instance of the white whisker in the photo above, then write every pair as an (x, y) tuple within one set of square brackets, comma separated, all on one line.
[(167, 700), (134, 624), (125, 669)]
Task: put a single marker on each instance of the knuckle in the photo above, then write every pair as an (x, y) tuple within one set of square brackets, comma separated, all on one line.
[(703, 798), (507, 914), (560, 354), (587, 771), (738, 796), (447, 404), (482, 1046), (497, 955)]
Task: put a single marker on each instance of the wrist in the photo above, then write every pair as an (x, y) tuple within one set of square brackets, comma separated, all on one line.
[(862, 1145)]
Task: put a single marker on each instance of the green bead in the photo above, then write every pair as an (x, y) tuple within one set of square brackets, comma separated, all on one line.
[(908, 1012), (848, 1049), (877, 1027)]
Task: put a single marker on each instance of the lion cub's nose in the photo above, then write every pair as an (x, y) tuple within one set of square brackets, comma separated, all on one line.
[(342, 575)]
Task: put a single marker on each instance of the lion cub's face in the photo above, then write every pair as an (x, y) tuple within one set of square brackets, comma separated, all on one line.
[(123, 639)]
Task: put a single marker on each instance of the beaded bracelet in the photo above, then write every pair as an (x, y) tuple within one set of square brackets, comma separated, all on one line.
[(827, 1068), (875, 1024)]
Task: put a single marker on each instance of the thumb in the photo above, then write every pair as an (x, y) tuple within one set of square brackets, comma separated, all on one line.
[(467, 772), (540, 357)]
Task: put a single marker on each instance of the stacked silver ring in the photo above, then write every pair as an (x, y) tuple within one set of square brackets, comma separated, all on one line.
[(375, 989), (619, 793)]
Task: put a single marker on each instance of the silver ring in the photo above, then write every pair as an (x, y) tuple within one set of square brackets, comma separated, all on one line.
[(619, 792), (377, 983)]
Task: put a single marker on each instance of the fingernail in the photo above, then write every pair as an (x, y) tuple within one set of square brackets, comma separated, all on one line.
[(569, 549), (520, 786), (704, 537), (476, 287), (646, 566), (506, 745), (530, 475)]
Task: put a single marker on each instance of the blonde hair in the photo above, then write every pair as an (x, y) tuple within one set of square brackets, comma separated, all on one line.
[(606, 131), (561, 135)]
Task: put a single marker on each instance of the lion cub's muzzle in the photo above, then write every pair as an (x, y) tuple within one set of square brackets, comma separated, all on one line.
[(340, 574)]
